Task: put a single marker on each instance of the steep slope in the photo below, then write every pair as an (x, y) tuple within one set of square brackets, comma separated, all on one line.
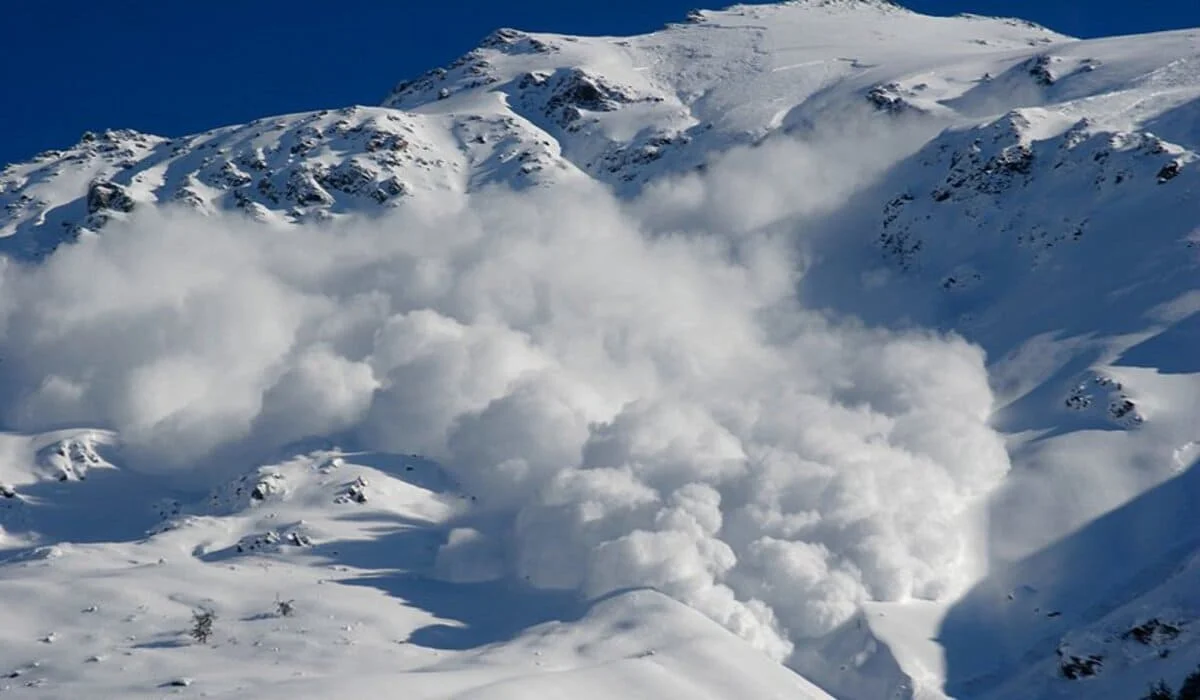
[(1033, 193)]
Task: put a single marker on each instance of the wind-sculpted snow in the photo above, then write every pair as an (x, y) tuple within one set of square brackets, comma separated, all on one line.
[(644, 404)]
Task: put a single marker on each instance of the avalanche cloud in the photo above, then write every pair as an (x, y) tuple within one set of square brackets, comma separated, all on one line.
[(631, 389)]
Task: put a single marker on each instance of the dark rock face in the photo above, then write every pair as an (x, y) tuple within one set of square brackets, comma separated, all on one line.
[(893, 99), (107, 196), (514, 41), (1153, 632), (303, 189), (1039, 70), (272, 541), (1169, 171), (575, 91), (1076, 667)]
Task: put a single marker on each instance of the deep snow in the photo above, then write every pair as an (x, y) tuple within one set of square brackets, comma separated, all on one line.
[(820, 333)]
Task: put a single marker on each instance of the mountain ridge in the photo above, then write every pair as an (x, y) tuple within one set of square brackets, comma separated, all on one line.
[(119, 157)]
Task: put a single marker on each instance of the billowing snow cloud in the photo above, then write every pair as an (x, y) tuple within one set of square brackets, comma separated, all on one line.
[(632, 386)]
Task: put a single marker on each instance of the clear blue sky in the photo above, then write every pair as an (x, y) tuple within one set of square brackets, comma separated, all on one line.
[(172, 67)]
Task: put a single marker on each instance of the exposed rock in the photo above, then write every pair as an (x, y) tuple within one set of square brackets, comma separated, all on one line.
[(188, 197), (272, 541), (892, 99), (103, 196), (72, 458), (1039, 68), (1153, 632), (248, 491), (303, 189), (1079, 399), (351, 177), (1169, 171), (354, 492), (231, 176), (514, 41), (1076, 667), (982, 166)]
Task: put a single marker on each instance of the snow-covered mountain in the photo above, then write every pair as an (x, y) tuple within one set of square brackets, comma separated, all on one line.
[(527, 109), (800, 350)]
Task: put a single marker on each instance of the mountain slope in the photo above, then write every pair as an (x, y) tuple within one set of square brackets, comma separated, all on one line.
[(105, 612), (521, 109), (562, 268)]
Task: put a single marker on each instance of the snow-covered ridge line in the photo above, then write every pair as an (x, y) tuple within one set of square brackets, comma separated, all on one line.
[(521, 109)]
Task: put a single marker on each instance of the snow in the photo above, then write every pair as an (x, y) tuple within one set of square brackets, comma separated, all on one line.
[(800, 350), (110, 618)]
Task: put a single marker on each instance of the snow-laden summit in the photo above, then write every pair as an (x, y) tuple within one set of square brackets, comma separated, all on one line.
[(822, 332), (521, 109)]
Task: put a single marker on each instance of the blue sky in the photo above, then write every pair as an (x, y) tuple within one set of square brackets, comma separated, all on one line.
[(173, 68)]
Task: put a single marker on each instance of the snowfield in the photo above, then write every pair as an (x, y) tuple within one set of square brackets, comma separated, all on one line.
[(810, 350)]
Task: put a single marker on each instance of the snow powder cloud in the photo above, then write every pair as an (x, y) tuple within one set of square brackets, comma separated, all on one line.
[(633, 386)]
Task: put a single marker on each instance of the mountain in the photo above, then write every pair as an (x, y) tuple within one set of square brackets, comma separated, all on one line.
[(522, 109), (801, 350)]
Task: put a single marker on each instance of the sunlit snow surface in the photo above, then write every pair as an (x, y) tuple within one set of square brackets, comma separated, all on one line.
[(818, 340)]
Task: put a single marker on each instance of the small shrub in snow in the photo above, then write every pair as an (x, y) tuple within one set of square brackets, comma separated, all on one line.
[(202, 625), (1159, 691), (285, 608)]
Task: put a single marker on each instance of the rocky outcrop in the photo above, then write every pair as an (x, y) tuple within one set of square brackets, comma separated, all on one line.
[(107, 196), (986, 178)]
